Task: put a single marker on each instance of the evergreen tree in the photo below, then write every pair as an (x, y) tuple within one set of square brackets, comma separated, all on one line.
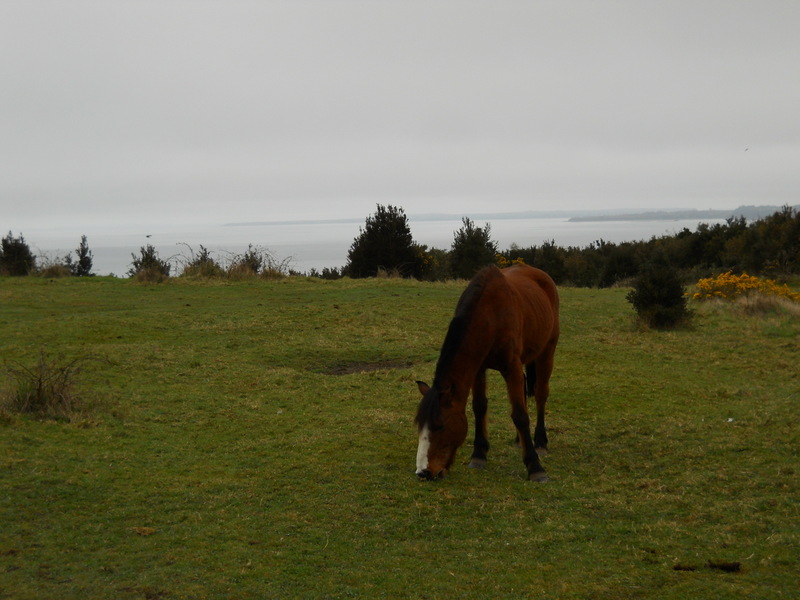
[(472, 249), (15, 256), (82, 268), (385, 243)]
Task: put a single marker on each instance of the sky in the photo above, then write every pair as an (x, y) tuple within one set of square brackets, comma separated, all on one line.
[(121, 114)]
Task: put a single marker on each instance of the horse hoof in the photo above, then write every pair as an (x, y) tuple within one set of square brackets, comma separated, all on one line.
[(539, 476), (542, 450), (477, 463)]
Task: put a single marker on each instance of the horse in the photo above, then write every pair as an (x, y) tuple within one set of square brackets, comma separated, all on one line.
[(506, 320)]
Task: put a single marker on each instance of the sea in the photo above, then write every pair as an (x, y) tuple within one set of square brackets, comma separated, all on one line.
[(303, 246)]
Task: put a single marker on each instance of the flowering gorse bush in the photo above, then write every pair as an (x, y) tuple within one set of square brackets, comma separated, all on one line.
[(728, 286), (503, 262)]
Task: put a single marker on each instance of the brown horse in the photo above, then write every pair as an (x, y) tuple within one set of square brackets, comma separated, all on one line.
[(505, 320)]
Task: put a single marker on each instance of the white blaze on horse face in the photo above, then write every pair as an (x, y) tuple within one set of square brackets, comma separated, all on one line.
[(422, 449)]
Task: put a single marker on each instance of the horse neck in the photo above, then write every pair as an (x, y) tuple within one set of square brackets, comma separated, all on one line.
[(460, 375)]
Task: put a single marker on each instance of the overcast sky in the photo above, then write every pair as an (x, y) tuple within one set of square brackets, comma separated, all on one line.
[(209, 112)]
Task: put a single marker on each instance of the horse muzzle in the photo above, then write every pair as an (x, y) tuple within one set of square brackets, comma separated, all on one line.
[(427, 475)]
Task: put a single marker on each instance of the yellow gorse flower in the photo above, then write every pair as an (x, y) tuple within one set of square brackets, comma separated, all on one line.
[(503, 262), (728, 286)]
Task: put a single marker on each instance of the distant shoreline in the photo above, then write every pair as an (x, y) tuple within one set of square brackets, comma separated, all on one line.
[(573, 216), (748, 212)]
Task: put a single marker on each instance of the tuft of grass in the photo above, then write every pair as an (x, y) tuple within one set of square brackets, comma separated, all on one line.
[(151, 275), (48, 389), (55, 271)]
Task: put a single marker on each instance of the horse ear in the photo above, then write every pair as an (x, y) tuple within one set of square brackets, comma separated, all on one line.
[(423, 387)]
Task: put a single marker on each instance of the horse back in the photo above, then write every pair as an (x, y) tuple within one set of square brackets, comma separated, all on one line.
[(535, 302)]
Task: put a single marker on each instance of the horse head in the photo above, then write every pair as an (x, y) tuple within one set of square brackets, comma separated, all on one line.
[(442, 429)]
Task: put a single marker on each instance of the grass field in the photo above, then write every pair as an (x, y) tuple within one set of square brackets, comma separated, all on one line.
[(255, 440)]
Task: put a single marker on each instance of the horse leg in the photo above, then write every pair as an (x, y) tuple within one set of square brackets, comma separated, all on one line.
[(515, 382), (542, 369), (479, 408)]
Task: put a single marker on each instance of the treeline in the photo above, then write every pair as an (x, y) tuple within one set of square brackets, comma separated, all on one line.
[(385, 246), (768, 246)]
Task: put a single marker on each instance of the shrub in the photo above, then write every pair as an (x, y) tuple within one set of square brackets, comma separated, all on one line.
[(728, 286), (148, 267), (327, 273), (249, 263), (434, 263), (658, 297), (202, 265), (46, 390), (258, 262)]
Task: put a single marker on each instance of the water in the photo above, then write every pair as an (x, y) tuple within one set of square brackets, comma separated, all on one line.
[(319, 245)]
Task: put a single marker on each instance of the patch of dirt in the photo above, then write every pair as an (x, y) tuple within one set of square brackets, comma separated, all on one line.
[(728, 567), (365, 367)]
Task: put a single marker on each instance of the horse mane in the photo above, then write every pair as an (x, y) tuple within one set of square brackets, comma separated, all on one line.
[(460, 322), (429, 407)]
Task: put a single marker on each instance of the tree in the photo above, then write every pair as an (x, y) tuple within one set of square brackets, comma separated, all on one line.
[(384, 243), (472, 249), (15, 256), (83, 267)]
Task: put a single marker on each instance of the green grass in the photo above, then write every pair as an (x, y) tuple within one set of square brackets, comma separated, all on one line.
[(255, 440)]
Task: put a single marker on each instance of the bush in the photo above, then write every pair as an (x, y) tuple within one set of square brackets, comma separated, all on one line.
[(16, 258), (728, 286), (327, 274), (148, 267), (659, 299), (434, 263), (202, 265), (258, 262)]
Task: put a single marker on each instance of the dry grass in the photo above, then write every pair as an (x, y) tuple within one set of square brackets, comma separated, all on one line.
[(48, 389), (759, 304)]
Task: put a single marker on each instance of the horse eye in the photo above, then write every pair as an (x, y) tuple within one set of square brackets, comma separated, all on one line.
[(437, 426)]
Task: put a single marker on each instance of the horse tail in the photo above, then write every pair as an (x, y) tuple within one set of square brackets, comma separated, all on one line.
[(530, 379)]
